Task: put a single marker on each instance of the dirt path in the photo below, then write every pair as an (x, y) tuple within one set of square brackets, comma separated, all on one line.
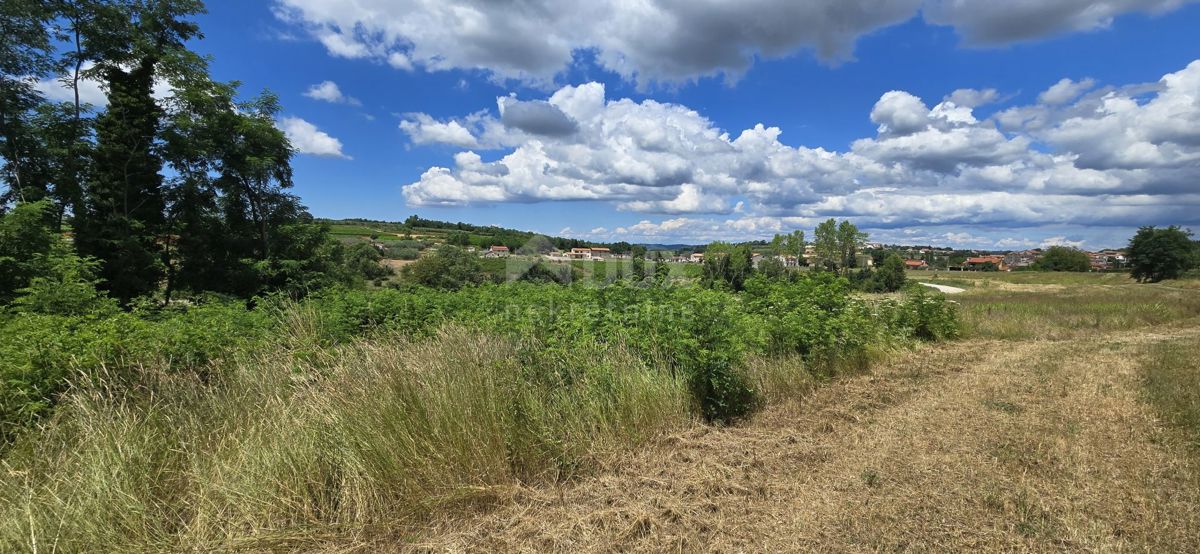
[(944, 288), (1041, 446)]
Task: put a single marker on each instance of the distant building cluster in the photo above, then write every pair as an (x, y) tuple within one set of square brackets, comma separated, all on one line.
[(1102, 260), (915, 257)]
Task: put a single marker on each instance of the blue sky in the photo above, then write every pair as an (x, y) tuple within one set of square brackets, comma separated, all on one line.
[(1008, 162)]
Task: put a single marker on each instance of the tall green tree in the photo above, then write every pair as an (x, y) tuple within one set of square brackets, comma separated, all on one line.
[(26, 54), (794, 245), (849, 239), (122, 221), (826, 242), (122, 216), (790, 244), (727, 265), (1157, 254)]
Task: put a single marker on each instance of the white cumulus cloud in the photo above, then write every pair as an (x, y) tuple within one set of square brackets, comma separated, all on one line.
[(328, 91), (306, 138), (1116, 157)]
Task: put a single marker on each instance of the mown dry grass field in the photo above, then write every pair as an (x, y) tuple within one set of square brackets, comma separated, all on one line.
[(1069, 420)]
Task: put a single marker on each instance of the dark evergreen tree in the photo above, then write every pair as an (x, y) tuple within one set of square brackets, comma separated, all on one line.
[(122, 215)]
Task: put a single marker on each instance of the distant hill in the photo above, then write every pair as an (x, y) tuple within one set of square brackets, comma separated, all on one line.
[(463, 234)]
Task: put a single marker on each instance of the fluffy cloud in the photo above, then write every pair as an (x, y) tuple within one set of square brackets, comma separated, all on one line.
[(665, 40), (1065, 90), (899, 113), (306, 138), (328, 91), (1113, 157), (423, 129)]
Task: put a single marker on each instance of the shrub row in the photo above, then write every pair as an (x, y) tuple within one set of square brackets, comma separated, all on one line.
[(700, 336)]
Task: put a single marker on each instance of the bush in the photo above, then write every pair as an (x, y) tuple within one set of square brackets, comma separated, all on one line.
[(924, 315), (364, 261), (890, 277), (26, 242), (40, 353), (448, 268), (1062, 258), (404, 253)]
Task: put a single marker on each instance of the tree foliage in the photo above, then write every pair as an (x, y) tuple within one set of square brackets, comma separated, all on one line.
[(825, 242), (890, 277), (25, 240), (449, 268), (184, 193), (1063, 258), (1157, 254), (727, 265)]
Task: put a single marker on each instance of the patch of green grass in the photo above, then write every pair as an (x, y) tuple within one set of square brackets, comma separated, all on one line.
[(871, 478), (1171, 373), (1003, 406), (1072, 312), (353, 230)]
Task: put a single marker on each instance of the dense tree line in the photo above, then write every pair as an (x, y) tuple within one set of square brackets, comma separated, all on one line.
[(482, 236), (184, 193)]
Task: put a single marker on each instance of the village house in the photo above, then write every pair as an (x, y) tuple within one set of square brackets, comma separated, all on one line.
[(496, 252), (696, 258), (915, 264), (1024, 258), (978, 263), (589, 253)]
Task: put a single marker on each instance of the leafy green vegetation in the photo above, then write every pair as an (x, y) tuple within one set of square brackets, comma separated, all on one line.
[(352, 390), (1062, 258), (1158, 254)]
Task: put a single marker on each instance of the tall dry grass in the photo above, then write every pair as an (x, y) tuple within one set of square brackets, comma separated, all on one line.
[(288, 450)]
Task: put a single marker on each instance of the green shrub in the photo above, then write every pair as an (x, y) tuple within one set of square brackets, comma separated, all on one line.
[(924, 315), (404, 253), (40, 354)]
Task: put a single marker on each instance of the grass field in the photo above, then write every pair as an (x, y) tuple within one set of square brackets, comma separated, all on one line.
[(1068, 420), (993, 278)]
